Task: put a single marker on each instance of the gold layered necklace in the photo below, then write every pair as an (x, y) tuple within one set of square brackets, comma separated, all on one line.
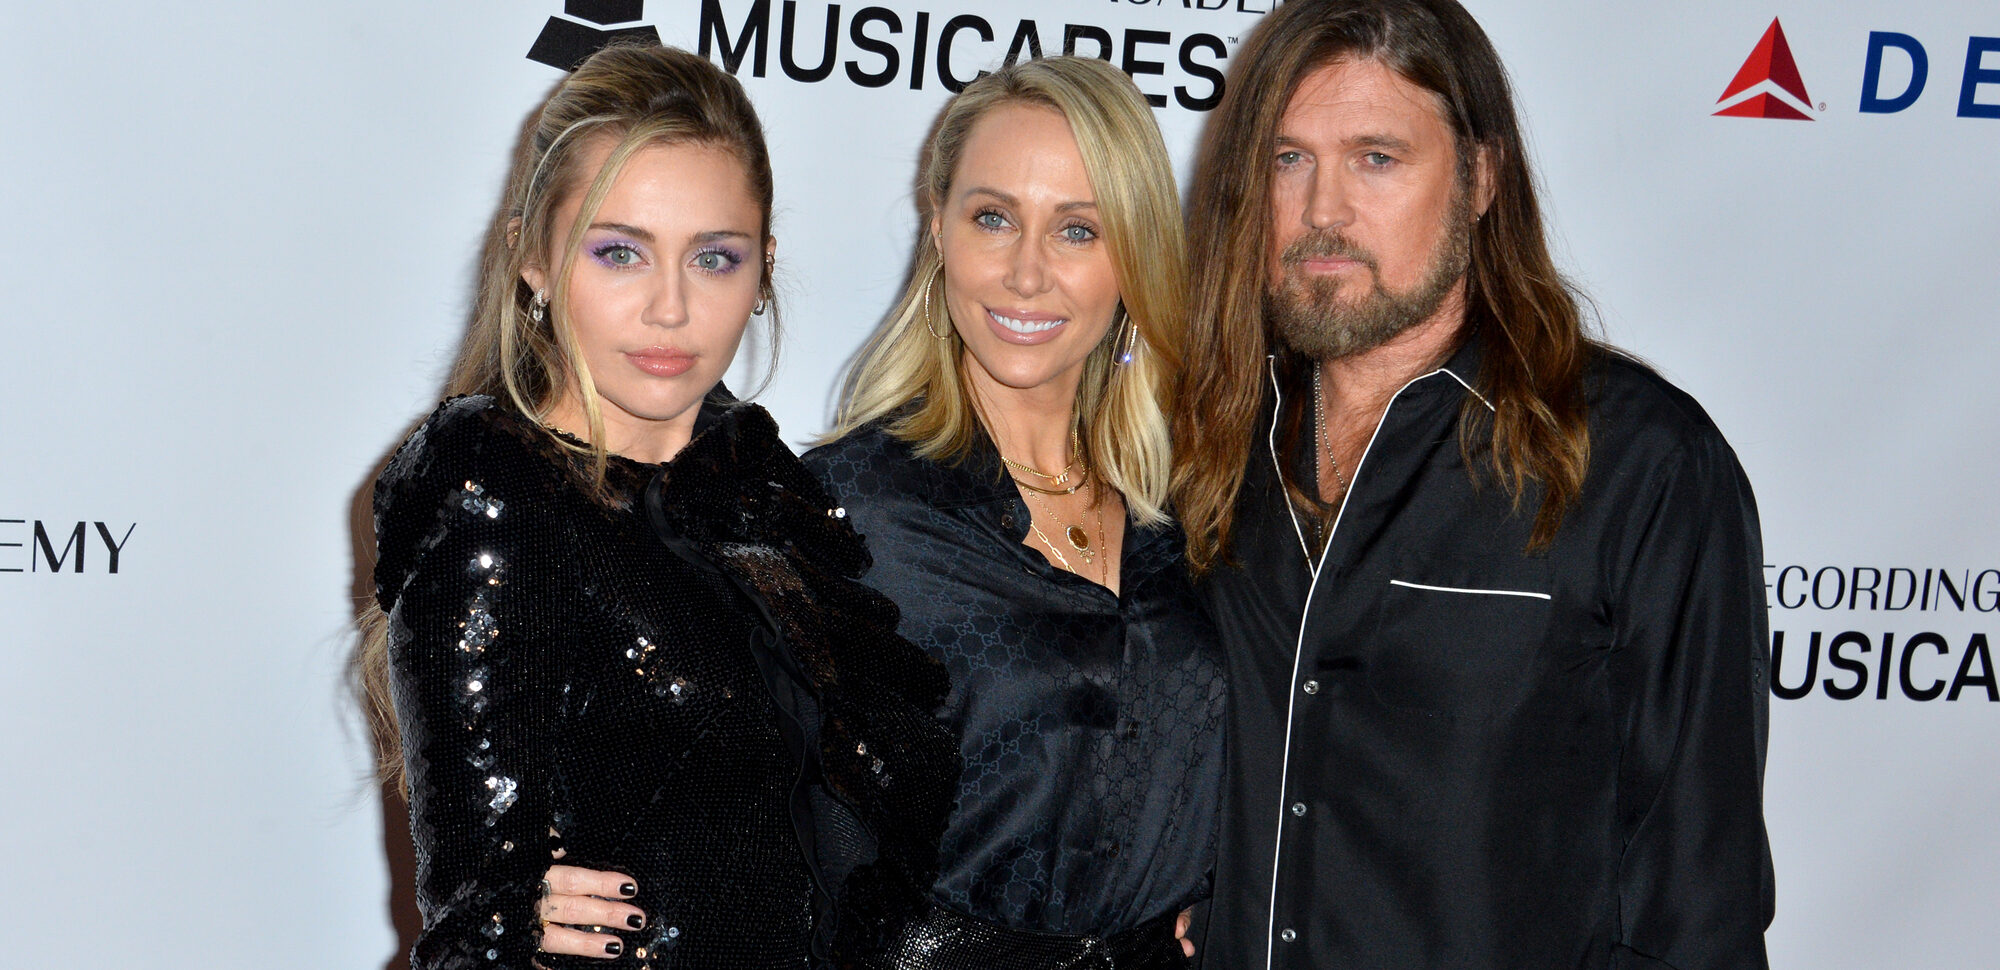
[(1063, 482), (1076, 537)]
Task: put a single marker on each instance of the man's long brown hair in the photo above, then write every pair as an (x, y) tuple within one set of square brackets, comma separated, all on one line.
[(1527, 316)]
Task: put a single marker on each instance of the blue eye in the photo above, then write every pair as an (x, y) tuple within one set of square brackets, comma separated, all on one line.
[(1377, 159), (1079, 233), (716, 261), (616, 254), (989, 219), (1290, 158)]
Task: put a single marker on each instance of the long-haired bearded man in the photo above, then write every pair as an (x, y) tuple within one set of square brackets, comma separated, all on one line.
[(1492, 591)]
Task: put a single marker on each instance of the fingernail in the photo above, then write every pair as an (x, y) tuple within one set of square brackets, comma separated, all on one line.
[(614, 947), (628, 890), (636, 922)]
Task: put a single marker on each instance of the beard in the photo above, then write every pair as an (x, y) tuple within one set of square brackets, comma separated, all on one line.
[(1316, 316)]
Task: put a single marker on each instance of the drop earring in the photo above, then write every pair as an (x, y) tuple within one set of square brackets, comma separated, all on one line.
[(1131, 340)]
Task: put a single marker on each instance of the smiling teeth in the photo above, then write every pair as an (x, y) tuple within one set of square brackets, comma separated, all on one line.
[(1025, 326)]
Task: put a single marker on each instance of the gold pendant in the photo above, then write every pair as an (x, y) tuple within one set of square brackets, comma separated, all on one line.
[(1079, 538)]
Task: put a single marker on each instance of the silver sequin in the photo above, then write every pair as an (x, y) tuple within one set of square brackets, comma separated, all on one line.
[(505, 793), (480, 626), (473, 499)]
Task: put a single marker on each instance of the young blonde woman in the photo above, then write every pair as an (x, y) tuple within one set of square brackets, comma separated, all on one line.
[(618, 619), (1002, 448)]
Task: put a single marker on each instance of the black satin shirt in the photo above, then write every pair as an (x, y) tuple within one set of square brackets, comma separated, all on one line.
[(673, 684), (1447, 752), (1091, 723)]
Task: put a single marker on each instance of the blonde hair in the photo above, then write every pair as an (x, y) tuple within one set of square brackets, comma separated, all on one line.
[(1121, 408), (636, 96)]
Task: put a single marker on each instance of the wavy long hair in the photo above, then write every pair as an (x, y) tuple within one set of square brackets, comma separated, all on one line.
[(1121, 408), (633, 96), (1529, 319)]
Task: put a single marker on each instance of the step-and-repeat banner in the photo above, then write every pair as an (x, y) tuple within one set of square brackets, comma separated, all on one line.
[(238, 252)]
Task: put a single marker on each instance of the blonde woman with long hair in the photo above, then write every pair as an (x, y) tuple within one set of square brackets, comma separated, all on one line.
[(1002, 447)]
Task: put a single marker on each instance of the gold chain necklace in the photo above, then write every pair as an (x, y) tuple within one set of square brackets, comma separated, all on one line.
[(1078, 538), (1059, 478), (1070, 489)]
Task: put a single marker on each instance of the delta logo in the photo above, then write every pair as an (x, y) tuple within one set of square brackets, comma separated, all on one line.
[(1895, 72), (1768, 84)]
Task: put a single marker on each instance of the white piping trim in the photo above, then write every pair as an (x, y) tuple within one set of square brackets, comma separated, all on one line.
[(1461, 589), (1271, 443), (1468, 387), (1299, 646)]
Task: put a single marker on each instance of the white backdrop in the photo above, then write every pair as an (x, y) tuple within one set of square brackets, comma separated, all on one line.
[(238, 249)]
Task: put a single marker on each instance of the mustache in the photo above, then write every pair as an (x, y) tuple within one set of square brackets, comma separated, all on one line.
[(1321, 244)]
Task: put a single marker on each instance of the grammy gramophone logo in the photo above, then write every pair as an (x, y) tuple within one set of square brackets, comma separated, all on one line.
[(587, 25)]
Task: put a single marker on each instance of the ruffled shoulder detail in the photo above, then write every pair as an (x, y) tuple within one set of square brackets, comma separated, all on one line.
[(753, 509), (738, 482)]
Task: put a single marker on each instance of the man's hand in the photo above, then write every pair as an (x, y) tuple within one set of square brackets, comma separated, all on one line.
[(576, 897)]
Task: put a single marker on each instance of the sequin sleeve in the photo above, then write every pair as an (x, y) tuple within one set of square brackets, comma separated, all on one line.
[(474, 691)]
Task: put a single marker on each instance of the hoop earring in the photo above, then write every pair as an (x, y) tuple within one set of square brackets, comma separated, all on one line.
[(537, 306), (928, 284)]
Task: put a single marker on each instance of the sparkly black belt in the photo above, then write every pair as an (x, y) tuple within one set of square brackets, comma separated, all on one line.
[(946, 940)]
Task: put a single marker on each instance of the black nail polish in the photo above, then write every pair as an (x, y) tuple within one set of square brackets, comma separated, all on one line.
[(636, 922), (628, 890), (614, 947)]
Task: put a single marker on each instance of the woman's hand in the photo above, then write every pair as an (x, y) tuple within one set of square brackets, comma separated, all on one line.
[(1181, 924), (576, 897)]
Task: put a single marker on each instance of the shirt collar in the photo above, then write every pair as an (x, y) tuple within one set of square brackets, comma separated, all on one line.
[(972, 479), (1460, 371)]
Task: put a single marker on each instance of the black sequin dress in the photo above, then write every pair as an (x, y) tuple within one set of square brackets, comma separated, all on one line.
[(678, 680)]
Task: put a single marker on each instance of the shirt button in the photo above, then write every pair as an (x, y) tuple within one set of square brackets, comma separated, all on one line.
[(1006, 522), (1299, 808), (1310, 687), (1288, 934)]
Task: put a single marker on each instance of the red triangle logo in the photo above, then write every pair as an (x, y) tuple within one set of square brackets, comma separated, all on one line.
[(1763, 105), (1770, 61)]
